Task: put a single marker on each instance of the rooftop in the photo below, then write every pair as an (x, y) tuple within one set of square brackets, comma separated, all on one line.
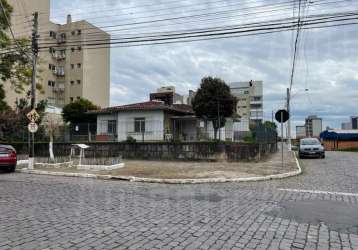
[(150, 105)]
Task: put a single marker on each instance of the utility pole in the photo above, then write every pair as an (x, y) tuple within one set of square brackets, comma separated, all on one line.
[(219, 120), (289, 120), (35, 49)]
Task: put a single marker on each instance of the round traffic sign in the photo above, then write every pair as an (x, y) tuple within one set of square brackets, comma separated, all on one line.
[(282, 116), (33, 127)]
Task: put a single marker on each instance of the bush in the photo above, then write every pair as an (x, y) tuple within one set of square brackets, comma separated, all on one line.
[(130, 139)]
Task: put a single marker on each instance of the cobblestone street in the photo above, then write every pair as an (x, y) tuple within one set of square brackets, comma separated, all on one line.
[(316, 210)]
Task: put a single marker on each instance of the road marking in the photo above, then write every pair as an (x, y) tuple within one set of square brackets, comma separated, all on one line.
[(317, 192)]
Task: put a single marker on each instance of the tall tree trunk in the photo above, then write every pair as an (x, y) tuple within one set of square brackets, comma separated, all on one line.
[(52, 157)]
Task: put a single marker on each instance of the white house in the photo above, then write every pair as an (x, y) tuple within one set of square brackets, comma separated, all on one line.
[(146, 121)]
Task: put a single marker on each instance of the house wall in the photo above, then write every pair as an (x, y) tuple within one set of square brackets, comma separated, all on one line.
[(154, 125)]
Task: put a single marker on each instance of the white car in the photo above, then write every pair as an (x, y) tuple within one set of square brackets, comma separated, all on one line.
[(311, 147)]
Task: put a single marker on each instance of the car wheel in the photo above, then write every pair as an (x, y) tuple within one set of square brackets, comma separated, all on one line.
[(11, 169)]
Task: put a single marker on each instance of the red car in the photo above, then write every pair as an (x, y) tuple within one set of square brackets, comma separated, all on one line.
[(8, 158)]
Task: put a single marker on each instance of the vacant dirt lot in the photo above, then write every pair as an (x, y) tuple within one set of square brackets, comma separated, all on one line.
[(195, 170)]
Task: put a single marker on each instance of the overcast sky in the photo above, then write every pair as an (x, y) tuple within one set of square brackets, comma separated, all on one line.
[(327, 61)]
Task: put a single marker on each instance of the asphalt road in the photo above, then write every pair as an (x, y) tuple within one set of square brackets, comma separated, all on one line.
[(317, 210)]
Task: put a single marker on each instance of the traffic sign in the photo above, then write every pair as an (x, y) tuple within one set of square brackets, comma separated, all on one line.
[(33, 116), (282, 116), (33, 127)]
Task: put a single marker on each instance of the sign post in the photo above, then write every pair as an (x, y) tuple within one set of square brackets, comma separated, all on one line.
[(33, 117), (282, 116)]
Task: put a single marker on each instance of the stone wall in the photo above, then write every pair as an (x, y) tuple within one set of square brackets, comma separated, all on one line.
[(199, 151)]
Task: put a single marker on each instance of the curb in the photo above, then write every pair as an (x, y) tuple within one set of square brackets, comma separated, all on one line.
[(170, 181)]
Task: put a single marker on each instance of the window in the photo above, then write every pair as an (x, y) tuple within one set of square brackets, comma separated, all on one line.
[(71, 99), (72, 66), (78, 81), (79, 65), (78, 97), (112, 127), (51, 83), (72, 82), (73, 33), (139, 125), (79, 32), (52, 50), (72, 49), (52, 34), (246, 92), (79, 48)]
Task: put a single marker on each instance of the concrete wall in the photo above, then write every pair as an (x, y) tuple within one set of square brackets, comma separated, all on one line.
[(163, 151), (337, 145)]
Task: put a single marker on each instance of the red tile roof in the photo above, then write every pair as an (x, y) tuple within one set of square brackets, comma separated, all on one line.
[(151, 105)]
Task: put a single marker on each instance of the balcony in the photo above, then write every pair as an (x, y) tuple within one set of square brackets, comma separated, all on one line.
[(59, 88), (59, 71)]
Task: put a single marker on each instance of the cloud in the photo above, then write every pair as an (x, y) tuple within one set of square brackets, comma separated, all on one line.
[(326, 63)]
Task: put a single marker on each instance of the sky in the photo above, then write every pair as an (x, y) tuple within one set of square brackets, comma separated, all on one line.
[(326, 76)]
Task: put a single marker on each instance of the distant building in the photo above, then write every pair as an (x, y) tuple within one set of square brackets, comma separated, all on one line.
[(300, 132), (354, 122), (250, 100), (67, 69), (346, 126), (169, 96), (313, 126), (340, 139)]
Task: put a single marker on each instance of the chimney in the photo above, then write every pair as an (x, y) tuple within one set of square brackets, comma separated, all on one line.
[(69, 19)]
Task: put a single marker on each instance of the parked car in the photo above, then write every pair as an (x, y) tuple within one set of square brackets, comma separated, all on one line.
[(8, 158), (311, 147)]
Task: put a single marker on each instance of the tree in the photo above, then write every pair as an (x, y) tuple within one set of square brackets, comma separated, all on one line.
[(15, 59), (52, 124), (214, 102), (76, 112)]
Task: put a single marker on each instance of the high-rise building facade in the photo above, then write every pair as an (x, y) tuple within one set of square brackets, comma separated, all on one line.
[(250, 100), (67, 69), (313, 126)]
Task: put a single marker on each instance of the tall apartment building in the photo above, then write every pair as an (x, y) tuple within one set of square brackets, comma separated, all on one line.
[(250, 100), (352, 124), (313, 126), (67, 69)]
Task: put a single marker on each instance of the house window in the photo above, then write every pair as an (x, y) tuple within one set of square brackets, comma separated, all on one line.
[(112, 127), (52, 34), (139, 125)]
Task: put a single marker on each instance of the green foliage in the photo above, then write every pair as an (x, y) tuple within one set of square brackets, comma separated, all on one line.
[(76, 112), (269, 124), (3, 104), (15, 67), (130, 139), (214, 102), (13, 123)]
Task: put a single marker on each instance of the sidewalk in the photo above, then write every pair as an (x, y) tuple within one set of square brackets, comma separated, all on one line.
[(189, 172)]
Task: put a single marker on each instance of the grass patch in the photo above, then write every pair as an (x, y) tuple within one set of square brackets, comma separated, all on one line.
[(349, 150)]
